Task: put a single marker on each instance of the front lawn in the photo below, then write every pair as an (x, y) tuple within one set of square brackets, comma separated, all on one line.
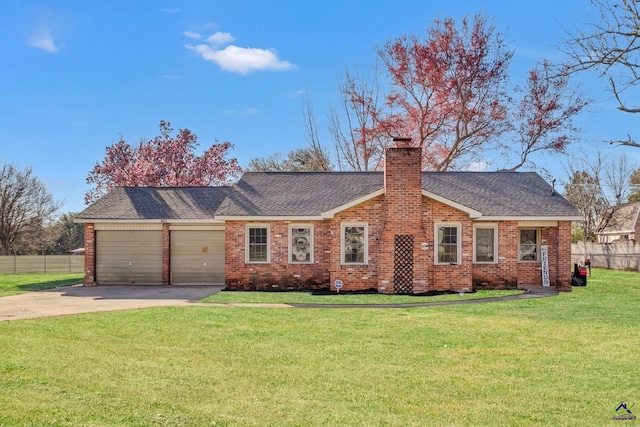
[(12, 284), (564, 360)]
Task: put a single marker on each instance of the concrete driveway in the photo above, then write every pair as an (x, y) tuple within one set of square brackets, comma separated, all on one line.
[(79, 299)]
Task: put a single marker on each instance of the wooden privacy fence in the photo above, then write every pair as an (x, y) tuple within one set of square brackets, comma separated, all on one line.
[(47, 264), (621, 255)]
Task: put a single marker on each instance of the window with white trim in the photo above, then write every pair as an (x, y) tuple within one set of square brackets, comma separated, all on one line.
[(528, 244), (485, 246), (354, 243), (300, 244), (257, 244), (447, 243)]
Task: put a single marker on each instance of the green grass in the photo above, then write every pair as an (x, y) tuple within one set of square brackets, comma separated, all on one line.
[(558, 361), (351, 299), (12, 284)]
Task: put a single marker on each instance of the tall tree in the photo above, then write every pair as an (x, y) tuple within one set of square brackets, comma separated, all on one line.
[(318, 158), (450, 91), (584, 192), (297, 160), (617, 176), (610, 46), (163, 161), (25, 205), (355, 125), (634, 195), (69, 235), (543, 116)]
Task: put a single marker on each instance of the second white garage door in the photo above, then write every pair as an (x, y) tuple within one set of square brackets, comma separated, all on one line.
[(197, 257)]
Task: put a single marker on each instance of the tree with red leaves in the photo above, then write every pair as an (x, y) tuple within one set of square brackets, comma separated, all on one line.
[(165, 161), (451, 93), (543, 116), (448, 90)]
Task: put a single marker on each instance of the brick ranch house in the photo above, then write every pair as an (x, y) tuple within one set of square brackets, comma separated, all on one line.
[(397, 231)]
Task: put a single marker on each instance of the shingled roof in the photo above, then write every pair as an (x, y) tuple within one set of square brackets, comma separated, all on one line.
[(490, 195), (266, 194), (500, 194), (137, 203)]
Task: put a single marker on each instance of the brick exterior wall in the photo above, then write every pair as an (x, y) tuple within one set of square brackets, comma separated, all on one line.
[(89, 255), (402, 215), (448, 277), (509, 272), (563, 256), (402, 210), (357, 277), (278, 274)]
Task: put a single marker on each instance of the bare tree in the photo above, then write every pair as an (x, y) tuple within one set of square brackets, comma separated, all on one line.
[(319, 156), (616, 176), (25, 205), (297, 160), (355, 126), (610, 46), (584, 192)]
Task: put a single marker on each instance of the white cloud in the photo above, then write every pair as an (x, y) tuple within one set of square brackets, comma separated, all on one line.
[(170, 76), (248, 112), (193, 34), (242, 60), (478, 166), (42, 39), (220, 38)]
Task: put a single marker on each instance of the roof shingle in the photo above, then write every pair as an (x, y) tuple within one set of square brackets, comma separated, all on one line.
[(157, 203), (310, 194)]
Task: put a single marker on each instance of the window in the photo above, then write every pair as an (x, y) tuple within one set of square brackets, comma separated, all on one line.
[(485, 248), (257, 244), (300, 244), (447, 244), (354, 244), (528, 250)]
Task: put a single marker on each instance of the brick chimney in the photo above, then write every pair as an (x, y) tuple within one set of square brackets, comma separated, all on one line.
[(403, 183), (402, 257)]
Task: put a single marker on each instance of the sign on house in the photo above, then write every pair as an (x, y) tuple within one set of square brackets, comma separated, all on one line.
[(544, 258)]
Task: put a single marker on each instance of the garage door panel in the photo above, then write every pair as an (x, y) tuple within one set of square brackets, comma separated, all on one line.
[(128, 257), (197, 257)]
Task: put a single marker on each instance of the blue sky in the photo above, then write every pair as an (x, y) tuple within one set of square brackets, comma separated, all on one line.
[(77, 74)]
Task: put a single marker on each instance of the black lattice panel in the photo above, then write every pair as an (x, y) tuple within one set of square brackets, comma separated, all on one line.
[(403, 264)]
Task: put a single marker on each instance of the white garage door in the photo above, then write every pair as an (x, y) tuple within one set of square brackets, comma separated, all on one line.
[(128, 257), (197, 257)]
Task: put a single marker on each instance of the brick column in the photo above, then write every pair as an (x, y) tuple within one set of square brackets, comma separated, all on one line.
[(402, 216), (166, 255), (563, 265), (89, 255)]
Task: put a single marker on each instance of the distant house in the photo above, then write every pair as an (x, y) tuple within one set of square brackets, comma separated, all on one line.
[(619, 223), (398, 231)]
